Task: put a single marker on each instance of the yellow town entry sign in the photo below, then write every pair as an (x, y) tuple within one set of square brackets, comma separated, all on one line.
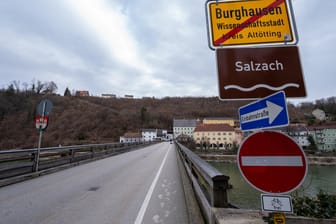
[(250, 22)]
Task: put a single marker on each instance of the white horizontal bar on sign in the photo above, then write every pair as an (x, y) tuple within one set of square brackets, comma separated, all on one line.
[(272, 161)]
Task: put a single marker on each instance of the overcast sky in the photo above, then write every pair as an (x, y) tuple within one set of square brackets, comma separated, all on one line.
[(141, 47)]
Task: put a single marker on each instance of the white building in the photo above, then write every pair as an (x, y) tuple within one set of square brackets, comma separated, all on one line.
[(146, 135), (149, 135), (107, 95), (298, 132), (319, 114), (184, 127), (131, 137), (324, 136)]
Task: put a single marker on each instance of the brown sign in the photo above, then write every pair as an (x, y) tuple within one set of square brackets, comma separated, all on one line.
[(252, 73)]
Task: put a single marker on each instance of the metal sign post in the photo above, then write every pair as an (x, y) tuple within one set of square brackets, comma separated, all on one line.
[(38, 151), (40, 140), (43, 109)]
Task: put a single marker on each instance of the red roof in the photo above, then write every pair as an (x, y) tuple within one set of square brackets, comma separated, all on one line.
[(213, 127)]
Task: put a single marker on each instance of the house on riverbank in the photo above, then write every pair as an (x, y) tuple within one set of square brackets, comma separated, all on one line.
[(324, 137)]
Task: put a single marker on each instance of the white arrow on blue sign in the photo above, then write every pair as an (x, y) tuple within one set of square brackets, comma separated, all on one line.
[(269, 112)]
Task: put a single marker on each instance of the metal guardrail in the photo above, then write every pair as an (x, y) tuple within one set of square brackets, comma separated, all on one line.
[(210, 185), (14, 163)]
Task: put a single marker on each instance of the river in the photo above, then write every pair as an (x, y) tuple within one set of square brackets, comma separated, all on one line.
[(244, 195)]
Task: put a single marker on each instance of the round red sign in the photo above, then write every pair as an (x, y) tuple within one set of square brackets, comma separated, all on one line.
[(272, 162)]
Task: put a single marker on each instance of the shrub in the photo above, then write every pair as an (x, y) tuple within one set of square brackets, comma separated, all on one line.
[(321, 206)]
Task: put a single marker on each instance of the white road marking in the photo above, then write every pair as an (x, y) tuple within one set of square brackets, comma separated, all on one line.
[(145, 203), (272, 161)]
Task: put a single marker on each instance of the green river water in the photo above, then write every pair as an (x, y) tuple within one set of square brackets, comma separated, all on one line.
[(244, 195)]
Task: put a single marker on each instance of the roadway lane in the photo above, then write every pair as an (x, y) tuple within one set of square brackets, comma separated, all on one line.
[(142, 186)]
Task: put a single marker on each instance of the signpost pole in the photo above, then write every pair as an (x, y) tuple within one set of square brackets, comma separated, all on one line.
[(269, 161), (39, 142), (38, 152)]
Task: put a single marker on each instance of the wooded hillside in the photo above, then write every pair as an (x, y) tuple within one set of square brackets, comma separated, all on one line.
[(82, 120)]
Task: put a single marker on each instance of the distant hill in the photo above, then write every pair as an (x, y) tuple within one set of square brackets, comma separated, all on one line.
[(83, 120)]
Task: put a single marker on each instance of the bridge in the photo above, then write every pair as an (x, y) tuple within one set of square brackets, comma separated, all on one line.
[(112, 183), (142, 186)]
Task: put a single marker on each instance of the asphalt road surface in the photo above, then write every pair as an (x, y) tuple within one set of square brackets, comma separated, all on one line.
[(142, 186)]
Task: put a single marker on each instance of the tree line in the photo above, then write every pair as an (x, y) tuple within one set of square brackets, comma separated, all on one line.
[(36, 86)]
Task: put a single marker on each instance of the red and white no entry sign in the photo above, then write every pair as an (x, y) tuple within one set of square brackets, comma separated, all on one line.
[(272, 162)]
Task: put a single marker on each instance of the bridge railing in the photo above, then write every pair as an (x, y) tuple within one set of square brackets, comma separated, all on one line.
[(210, 185), (14, 163)]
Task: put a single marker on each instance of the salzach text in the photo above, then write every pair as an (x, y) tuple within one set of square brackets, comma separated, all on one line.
[(258, 66)]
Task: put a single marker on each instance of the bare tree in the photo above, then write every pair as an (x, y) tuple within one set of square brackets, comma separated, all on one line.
[(33, 86), (16, 85), (39, 86), (25, 86), (49, 87)]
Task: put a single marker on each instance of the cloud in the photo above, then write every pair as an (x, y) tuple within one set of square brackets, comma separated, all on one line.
[(143, 48), (110, 27), (317, 45)]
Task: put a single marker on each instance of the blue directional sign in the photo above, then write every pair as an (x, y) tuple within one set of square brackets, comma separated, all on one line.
[(269, 112)]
